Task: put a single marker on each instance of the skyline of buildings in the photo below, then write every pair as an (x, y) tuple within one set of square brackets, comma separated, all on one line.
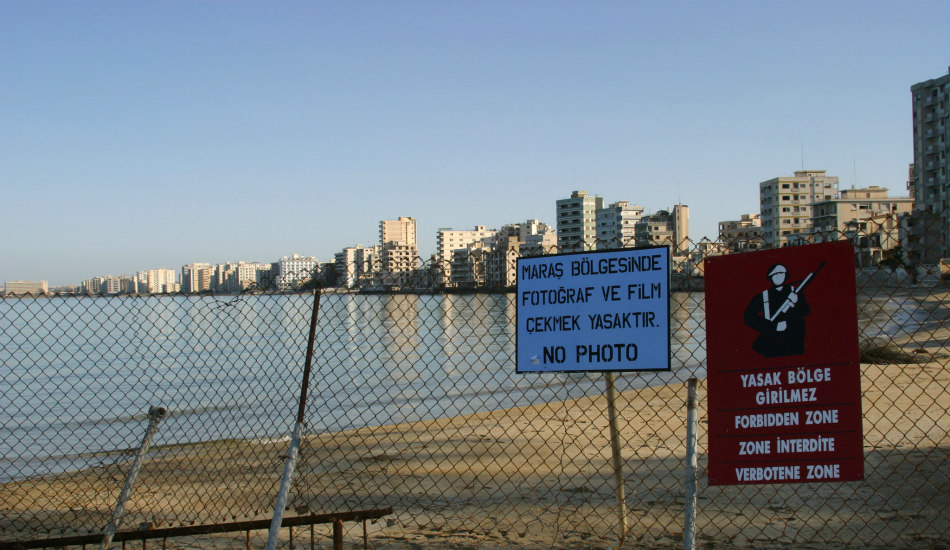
[(481, 256), (806, 207)]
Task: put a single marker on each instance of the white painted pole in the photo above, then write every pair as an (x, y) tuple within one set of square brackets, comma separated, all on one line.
[(155, 415), (285, 482), (692, 425)]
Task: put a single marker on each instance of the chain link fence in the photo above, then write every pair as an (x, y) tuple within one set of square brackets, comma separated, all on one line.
[(414, 404)]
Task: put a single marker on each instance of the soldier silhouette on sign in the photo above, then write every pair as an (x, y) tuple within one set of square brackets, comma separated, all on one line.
[(778, 314)]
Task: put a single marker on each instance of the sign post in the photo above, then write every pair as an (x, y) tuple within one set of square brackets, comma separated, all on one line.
[(784, 383), (601, 311)]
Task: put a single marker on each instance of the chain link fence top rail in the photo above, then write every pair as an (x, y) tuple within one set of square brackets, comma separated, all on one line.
[(414, 404)]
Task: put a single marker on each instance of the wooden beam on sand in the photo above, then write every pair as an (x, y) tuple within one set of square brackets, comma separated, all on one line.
[(336, 518)]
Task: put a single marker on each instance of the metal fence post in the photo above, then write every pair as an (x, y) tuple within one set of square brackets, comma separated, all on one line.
[(692, 424), (291, 462), (155, 415), (615, 452)]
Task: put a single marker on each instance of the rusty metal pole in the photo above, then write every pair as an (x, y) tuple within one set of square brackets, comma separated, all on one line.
[(337, 535), (155, 415), (291, 461)]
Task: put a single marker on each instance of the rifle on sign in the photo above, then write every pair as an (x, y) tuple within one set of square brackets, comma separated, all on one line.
[(787, 304)]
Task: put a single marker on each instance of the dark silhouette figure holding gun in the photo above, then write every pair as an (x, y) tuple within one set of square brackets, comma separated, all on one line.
[(778, 315)]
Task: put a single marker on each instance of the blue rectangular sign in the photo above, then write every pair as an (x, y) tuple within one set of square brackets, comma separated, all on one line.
[(594, 311)]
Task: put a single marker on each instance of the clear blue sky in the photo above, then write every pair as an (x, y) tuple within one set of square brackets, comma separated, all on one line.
[(137, 135)]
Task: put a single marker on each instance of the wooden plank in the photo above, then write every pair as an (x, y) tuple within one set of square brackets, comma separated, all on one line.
[(190, 530)]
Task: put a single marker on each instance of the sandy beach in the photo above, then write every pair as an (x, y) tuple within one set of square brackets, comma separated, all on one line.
[(540, 477)]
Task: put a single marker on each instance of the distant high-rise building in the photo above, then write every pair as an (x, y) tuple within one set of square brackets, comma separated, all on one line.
[(141, 282), (225, 279), (666, 227), (397, 240), (911, 185), (196, 277), (401, 231), (112, 285), (577, 221), (785, 203), (929, 226), (616, 224)]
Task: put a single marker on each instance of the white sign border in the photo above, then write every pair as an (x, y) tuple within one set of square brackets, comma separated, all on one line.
[(592, 253)]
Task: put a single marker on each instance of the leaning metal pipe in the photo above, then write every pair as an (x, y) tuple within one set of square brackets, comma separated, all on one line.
[(692, 425), (290, 464), (155, 415)]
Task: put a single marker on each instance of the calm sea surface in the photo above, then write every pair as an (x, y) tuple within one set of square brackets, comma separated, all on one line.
[(79, 374)]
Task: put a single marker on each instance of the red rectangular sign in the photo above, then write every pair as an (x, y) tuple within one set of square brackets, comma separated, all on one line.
[(784, 381)]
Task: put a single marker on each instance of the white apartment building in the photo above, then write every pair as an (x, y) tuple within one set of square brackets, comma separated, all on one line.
[(163, 280), (196, 277), (253, 274), (448, 241), (355, 262), (929, 226), (616, 224), (577, 221), (114, 285), (226, 278), (785, 203), (19, 288), (156, 281), (93, 285), (292, 271), (109, 284), (141, 282)]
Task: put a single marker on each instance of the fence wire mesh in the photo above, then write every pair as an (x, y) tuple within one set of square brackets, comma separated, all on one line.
[(414, 404)]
